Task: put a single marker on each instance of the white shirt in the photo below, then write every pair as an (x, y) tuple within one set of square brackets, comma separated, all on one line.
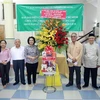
[(91, 55), (17, 53)]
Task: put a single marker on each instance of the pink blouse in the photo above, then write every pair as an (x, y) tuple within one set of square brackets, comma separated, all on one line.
[(5, 55)]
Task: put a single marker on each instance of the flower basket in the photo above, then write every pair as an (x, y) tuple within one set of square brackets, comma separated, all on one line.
[(52, 33)]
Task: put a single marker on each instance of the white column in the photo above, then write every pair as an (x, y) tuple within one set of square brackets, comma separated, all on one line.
[(0, 11), (9, 21)]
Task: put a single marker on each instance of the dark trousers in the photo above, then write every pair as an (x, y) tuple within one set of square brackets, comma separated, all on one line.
[(71, 74), (4, 69), (31, 69), (93, 72), (18, 65)]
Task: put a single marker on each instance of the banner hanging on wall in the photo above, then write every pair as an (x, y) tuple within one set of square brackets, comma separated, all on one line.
[(30, 17)]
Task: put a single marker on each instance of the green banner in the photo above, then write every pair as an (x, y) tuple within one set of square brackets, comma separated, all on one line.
[(29, 16)]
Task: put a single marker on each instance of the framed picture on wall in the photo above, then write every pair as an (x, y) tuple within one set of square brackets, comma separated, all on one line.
[(2, 31)]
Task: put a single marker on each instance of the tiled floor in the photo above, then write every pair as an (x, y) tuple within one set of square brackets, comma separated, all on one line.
[(21, 92)]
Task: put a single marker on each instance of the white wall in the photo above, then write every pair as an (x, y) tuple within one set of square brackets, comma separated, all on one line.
[(90, 16), (48, 1)]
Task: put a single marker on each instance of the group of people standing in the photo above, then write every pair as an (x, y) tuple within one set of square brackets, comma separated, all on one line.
[(86, 55), (18, 57)]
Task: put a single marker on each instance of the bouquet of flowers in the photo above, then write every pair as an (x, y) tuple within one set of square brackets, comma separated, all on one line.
[(52, 33)]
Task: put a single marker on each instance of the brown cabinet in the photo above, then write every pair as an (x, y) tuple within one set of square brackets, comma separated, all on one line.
[(2, 36)]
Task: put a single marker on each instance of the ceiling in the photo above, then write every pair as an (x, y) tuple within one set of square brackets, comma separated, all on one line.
[(93, 2)]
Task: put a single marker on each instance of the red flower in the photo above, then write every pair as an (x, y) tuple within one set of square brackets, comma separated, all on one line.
[(66, 42), (66, 39), (60, 37), (59, 46)]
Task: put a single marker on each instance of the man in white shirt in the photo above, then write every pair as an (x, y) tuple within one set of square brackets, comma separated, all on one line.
[(91, 61), (17, 60)]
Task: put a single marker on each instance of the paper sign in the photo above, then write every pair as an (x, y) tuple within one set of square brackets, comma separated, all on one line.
[(69, 60), (58, 14)]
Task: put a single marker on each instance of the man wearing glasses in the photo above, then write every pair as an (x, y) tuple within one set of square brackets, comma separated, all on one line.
[(74, 52)]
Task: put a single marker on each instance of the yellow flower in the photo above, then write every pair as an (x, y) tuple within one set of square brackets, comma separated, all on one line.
[(53, 32), (51, 37), (57, 22), (37, 37), (41, 45), (63, 24), (44, 29)]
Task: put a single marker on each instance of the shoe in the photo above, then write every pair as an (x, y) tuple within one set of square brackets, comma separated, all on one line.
[(30, 85), (67, 85), (84, 86), (34, 84), (7, 83), (24, 83), (79, 87), (15, 83), (4, 86), (95, 87)]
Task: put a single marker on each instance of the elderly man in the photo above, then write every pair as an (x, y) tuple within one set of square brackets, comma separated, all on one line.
[(91, 61), (75, 50), (17, 60)]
